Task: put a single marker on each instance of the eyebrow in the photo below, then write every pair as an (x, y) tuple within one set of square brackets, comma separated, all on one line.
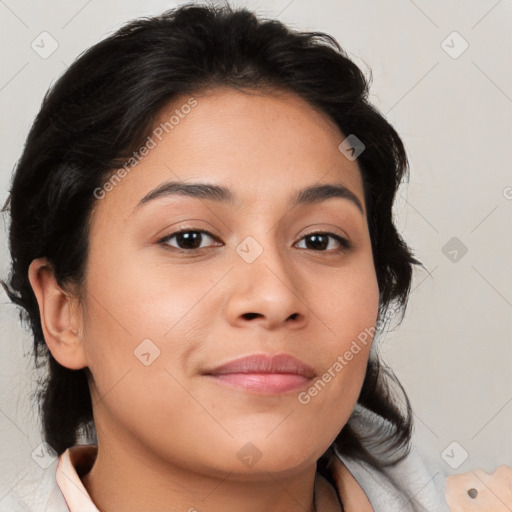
[(306, 196)]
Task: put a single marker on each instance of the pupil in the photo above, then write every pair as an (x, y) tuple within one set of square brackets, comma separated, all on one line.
[(190, 239), (316, 244)]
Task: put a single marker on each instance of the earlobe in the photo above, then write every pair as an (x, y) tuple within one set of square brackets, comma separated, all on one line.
[(60, 316)]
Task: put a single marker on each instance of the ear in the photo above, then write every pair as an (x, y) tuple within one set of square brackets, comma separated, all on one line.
[(61, 319)]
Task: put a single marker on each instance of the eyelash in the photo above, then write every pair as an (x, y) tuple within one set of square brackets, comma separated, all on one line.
[(345, 244)]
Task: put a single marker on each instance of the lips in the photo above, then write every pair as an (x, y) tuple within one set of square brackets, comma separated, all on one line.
[(264, 364), (263, 374)]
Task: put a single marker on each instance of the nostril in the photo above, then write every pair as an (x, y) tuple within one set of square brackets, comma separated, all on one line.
[(250, 316)]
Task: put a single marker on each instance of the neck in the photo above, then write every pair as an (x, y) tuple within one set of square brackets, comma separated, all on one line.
[(129, 477)]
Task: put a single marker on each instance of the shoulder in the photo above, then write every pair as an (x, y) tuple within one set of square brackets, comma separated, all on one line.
[(34, 490)]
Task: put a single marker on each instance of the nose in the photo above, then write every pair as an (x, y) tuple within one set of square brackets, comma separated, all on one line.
[(266, 292)]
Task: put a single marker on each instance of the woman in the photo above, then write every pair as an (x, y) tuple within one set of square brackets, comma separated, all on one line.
[(203, 243)]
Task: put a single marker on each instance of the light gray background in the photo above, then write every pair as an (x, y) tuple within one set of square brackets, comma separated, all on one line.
[(453, 351)]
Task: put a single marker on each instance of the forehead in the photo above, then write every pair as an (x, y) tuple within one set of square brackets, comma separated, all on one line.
[(263, 146)]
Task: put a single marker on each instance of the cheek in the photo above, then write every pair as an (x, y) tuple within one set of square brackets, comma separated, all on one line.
[(135, 309), (346, 302), (348, 309), (138, 299)]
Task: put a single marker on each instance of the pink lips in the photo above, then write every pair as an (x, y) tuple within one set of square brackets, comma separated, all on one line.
[(264, 373)]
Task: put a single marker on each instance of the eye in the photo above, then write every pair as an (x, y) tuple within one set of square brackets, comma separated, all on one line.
[(188, 240), (319, 241)]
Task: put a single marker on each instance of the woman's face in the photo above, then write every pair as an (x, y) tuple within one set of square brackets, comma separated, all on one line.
[(161, 315)]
